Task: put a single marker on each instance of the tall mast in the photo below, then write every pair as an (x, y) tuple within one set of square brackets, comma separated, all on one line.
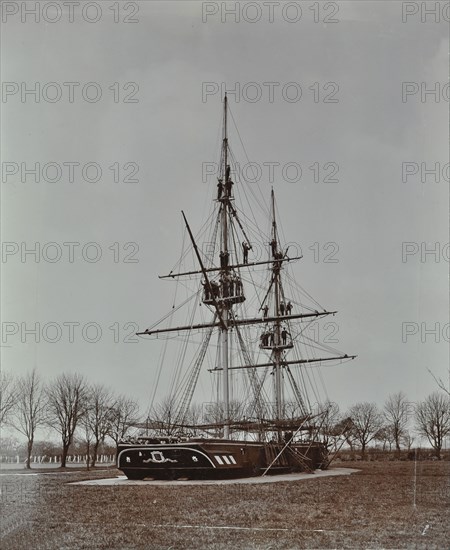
[(223, 287), (276, 353), (224, 274)]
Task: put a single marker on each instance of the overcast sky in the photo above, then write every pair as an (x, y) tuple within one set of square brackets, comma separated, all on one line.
[(163, 62)]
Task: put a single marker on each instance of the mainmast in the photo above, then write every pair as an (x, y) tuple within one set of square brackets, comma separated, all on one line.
[(224, 276)]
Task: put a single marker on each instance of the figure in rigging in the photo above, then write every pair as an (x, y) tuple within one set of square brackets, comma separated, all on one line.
[(228, 182), (219, 189), (215, 289), (284, 335), (232, 285), (265, 311), (245, 248), (273, 244), (205, 290), (224, 259)]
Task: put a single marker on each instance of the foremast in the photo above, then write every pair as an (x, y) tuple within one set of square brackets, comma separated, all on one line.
[(276, 352)]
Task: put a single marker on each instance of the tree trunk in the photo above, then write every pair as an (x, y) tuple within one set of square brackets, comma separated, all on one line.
[(397, 433), (88, 457), (65, 450), (29, 449), (363, 450), (94, 454)]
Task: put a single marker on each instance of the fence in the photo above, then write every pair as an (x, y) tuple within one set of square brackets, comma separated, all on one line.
[(56, 459)]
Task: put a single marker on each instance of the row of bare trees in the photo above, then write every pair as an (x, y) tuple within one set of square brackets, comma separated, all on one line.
[(365, 422), (66, 404), (69, 404), (362, 424)]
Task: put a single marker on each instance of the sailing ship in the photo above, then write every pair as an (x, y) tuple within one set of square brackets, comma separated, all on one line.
[(258, 325)]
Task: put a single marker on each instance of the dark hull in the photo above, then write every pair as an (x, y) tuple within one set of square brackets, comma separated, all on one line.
[(215, 459)]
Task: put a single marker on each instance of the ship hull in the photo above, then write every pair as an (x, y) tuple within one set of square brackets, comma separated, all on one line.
[(216, 459)]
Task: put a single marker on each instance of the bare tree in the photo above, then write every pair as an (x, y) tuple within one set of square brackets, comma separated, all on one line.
[(125, 414), (345, 428), (386, 436), (30, 408), (67, 400), (8, 393), (88, 436), (193, 418), (164, 416), (407, 440), (440, 382), (331, 430), (215, 415), (291, 410), (396, 415), (433, 419), (100, 411), (367, 420), (10, 445)]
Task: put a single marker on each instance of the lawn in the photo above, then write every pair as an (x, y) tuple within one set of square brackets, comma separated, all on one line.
[(384, 505)]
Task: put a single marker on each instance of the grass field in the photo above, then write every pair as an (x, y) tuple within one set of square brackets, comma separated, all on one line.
[(384, 505)]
